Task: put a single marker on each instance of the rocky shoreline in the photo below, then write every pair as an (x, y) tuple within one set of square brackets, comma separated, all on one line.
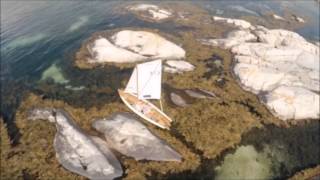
[(203, 92)]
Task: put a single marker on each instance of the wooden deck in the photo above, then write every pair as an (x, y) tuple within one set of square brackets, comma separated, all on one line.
[(145, 108)]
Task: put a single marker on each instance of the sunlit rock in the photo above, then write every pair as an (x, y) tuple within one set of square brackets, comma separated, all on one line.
[(104, 51), (178, 66), (200, 93), (76, 151), (274, 62), (169, 69), (152, 11), (128, 46), (178, 100), (293, 103), (233, 38), (235, 22), (131, 138), (298, 19), (277, 17), (148, 44)]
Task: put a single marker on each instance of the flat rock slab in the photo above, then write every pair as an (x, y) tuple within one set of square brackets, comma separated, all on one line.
[(178, 100), (174, 66), (104, 51), (151, 12), (77, 152), (128, 46), (130, 137), (278, 65), (148, 44), (200, 93)]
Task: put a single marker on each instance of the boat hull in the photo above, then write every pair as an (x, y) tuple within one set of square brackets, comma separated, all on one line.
[(145, 110)]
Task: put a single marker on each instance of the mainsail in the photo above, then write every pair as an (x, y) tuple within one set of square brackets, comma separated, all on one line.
[(145, 81), (132, 86)]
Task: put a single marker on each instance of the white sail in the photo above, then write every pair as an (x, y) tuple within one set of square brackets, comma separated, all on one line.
[(132, 86), (149, 80)]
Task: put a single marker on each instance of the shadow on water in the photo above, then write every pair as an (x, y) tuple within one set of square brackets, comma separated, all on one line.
[(299, 144), (11, 96)]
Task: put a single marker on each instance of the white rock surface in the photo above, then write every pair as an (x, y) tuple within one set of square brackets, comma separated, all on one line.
[(299, 19), (293, 102), (272, 63), (104, 51), (178, 66), (277, 17), (178, 100), (155, 12), (200, 93), (76, 151), (171, 70), (129, 46), (148, 44), (235, 22), (131, 138)]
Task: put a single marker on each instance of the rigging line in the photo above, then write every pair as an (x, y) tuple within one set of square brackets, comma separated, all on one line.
[(149, 77)]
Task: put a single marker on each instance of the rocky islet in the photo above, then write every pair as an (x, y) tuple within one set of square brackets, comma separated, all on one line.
[(278, 65), (250, 38)]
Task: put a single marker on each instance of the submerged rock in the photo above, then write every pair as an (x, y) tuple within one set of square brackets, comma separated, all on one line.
[(271, 62), (236, 22), (131, 138), (148, 44), (76, 151), (243, 9), (82, 21), (54, 73), (245, 163), (178, 66), (152, 12)]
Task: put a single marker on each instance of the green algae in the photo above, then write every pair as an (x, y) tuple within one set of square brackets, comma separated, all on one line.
[(201, 132), (8, 157), (39, 159)]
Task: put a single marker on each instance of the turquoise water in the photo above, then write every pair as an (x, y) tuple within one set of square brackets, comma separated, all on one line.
[(36, 34), (39, 39)]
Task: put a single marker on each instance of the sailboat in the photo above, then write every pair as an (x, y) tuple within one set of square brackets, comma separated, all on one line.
[(145, 84)]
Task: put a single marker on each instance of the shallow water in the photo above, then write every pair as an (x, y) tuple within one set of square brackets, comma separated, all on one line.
[(39, 39)]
